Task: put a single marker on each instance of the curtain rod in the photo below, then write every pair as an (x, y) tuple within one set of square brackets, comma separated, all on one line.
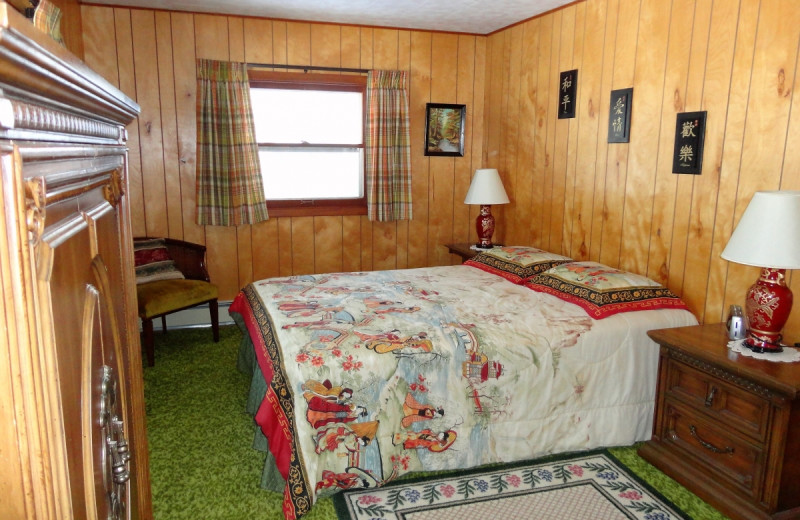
[(306, 67)]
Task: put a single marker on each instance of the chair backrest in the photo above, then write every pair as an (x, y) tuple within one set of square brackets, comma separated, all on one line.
[(190, 258)]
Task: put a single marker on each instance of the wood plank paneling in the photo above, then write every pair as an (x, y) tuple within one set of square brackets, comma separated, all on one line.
[(666, 183), (571, 191), (693, 98), (545, 107), (151, 138), (506, 216), (603, 148), (651, 52), (99, 22), (736, 60), (127, 84), (706, 187), (444, 48), (616, 166), (594, 124), (183, 62), (419, 92), (744, 38), (169, 131)]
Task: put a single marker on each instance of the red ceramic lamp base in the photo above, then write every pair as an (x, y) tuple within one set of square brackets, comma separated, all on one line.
[(484, 225), (768, 304)]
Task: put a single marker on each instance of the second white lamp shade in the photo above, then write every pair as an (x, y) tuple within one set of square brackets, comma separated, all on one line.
[(486, 188)]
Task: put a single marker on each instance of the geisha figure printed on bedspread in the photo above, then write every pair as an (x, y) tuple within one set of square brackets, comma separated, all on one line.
[(372, 375)]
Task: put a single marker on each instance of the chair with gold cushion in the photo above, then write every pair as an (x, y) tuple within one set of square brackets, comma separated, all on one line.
[(171, 276)]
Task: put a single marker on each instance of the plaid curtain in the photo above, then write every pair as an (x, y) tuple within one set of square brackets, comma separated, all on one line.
[(47, 18), (230, 190), (388, 150)]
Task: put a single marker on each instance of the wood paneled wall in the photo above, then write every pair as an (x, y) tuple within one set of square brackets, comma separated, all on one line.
[(574, 193), (151, 56)]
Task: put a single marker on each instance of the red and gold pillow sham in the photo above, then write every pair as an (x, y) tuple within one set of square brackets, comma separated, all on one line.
[(603, 291), (516, 263)]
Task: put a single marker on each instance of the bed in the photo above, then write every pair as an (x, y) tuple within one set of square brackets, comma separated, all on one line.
[(359, 378)]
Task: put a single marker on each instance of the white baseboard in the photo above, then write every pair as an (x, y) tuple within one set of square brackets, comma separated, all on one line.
[(195, 317)]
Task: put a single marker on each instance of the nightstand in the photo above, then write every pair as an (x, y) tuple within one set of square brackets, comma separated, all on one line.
[(462, 250), (727, 426)]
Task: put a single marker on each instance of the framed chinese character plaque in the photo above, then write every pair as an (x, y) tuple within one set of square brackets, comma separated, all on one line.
[(619, 116), (567, 87), (690, 131)]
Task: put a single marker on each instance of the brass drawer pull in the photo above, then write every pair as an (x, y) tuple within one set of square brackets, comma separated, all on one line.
[(708, 445), (710, 396)]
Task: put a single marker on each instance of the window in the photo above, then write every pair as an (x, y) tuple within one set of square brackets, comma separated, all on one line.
[(310, 133)]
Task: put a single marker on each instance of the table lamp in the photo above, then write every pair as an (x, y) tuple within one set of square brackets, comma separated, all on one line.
[(486, 189), (767, 236)]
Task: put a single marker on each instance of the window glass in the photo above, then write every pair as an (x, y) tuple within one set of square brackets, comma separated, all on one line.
[(310, 116), (317, 173), (310, 133)]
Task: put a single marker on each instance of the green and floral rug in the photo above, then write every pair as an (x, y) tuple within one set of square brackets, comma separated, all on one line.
[(585, 485)]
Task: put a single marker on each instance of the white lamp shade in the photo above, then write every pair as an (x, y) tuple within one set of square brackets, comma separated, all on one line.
[(486, 188), (768, 235)]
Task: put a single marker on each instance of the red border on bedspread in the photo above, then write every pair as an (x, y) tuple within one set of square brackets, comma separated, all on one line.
[(271, 417)]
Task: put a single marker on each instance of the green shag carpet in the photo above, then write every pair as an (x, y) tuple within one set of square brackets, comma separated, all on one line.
[(201, 462)]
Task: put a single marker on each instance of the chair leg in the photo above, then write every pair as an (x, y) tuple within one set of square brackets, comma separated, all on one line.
[(213, 307), (147, 329), (164, 323)]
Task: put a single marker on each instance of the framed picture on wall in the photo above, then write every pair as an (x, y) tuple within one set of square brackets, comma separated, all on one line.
[(444, 129), (690, 130), (619, 116)]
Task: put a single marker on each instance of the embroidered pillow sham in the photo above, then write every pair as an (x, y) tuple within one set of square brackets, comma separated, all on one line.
[(603, 291), (516, 263)]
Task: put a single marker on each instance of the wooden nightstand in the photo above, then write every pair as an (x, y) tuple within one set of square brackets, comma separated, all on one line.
[(727, 426), (462, 250)]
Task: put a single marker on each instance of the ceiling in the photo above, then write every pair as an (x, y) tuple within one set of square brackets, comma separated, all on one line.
[(463, 16)]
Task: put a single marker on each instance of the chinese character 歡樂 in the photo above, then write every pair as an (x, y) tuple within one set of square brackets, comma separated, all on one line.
[(688, 129), (686, 153)]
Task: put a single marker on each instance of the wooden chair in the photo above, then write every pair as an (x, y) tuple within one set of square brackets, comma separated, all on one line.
[(159, 298)]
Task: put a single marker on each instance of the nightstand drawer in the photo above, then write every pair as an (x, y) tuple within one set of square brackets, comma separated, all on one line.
[(714, 448), (724, 402)]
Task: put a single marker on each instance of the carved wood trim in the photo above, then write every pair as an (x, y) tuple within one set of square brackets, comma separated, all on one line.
[(88, 400), (113, 191), (37, 66), (725, 375), (35, 212), (33, 117), (39, 193)]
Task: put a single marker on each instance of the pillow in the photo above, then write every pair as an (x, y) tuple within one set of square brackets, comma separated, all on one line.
[(603, 291), (516, 263), (152, 261)]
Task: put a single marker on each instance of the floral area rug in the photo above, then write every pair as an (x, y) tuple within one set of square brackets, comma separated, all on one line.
[(588, 485)]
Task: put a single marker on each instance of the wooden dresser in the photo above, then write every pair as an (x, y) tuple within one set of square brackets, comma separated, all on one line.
[(727, 426), (72, 425)]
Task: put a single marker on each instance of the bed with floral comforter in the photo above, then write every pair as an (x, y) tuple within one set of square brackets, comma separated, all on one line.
[(373, 375)]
